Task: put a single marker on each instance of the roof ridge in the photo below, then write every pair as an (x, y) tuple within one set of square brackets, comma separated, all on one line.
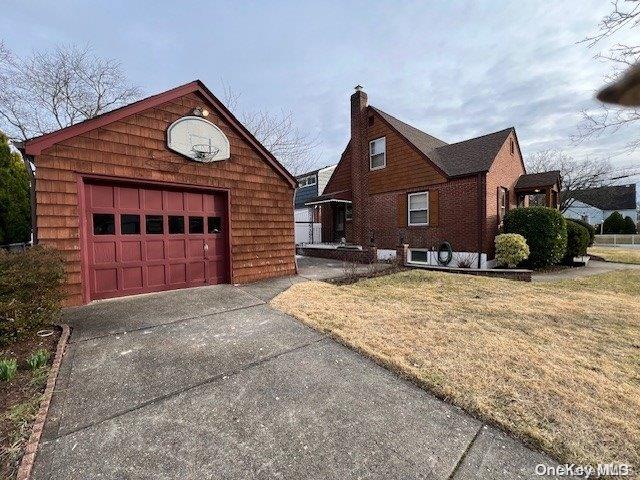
[(405, 123), (479, 136)]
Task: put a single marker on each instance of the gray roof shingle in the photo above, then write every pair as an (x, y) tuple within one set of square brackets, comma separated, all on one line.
[(614, 197), (543, 179), (456, 159)]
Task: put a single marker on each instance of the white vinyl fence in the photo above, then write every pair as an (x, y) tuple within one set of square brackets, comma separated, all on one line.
[(618, 239), (308, 232)]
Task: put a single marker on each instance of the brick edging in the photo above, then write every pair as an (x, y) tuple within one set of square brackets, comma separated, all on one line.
[(28, 459)]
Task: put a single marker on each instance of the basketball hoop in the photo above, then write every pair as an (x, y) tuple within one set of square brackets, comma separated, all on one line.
[(204, 152)]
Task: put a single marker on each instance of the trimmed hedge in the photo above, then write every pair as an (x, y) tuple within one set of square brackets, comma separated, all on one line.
[(629, 226), (511, 249), (545, 231), (577, 241), (614, 223), (590, 229), (30, 291)]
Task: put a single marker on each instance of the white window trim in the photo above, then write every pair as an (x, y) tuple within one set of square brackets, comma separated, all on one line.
[(419, 262), (409, 195), (384, 154), (309, 181)]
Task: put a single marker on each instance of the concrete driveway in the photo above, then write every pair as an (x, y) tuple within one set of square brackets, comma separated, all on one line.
[(213, 383)]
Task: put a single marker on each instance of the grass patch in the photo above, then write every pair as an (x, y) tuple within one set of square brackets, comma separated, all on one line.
[(617, 254), (556, 364)]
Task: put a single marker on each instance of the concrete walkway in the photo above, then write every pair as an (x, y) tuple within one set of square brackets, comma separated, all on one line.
[(213, 383), (594, 267)]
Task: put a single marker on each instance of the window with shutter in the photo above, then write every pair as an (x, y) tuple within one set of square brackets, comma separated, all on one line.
[(418, 209)]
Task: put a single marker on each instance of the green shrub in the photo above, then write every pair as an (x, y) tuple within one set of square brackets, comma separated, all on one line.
[(38, 359), (545, 231), (629, 226), (590, 229), (577, 241), (30, 291), (8, 368), (614, 223), (511, 249)]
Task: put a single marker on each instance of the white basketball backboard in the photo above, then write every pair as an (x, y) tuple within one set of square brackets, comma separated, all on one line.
[(198, 139)]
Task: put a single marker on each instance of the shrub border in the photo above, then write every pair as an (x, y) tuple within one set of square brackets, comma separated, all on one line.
[(31, 448)]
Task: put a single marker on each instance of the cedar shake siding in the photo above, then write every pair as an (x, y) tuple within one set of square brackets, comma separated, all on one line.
[(134, 148)]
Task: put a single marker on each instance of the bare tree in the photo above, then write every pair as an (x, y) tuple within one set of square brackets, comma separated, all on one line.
[(576, 174), (49, 90), (625, 16), (294, 149)]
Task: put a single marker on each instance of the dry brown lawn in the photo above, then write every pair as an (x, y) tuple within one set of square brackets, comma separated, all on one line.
[(556, 364), (617, 254)]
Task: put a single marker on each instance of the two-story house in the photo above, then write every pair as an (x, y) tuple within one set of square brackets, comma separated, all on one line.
[(307, 217), (396, 184)]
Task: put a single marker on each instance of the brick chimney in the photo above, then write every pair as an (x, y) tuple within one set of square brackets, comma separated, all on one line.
[(359, 155)]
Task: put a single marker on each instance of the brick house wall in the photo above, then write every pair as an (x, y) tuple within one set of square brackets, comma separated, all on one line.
[(134, 148), (505, 171)]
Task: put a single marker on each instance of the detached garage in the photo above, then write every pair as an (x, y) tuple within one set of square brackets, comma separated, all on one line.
[(168, 192)]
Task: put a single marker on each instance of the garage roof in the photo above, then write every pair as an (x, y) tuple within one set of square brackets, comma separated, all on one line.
[(36, 145)]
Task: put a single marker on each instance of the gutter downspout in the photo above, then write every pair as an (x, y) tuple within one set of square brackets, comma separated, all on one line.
[(295, 248), (481, 215), (28, 159)]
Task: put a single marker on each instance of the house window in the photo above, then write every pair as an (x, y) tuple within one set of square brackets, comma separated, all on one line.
[(418, 256), (348, 211), (512, 147), (503, 202), (307, 181), (377, 153), (418, 205)]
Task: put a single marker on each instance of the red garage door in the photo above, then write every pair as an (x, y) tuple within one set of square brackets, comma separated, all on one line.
[(145, 239)]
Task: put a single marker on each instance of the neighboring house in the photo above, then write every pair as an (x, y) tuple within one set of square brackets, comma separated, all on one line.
[(594, 205), (307, 217), (168, 192), (397, 185)]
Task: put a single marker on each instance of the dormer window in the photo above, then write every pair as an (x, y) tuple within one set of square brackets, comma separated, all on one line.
[(377, 153)]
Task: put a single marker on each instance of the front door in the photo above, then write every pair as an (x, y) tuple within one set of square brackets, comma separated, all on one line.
[(338, 223)]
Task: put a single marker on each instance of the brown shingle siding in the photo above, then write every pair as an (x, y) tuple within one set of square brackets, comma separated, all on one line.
[(261, 201)]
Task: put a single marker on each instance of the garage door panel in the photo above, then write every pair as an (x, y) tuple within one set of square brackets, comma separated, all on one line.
[(132, 278), (155, 249), (134, 248), (194, 202), (132, 251), (104, 252), (129, 198), (156, 275), (152, 199), (196, 272), (177, 273), (102, 196), (176, 249), (106, 280), (175, 201)]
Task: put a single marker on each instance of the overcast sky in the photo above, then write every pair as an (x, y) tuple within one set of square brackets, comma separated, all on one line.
[(453, 69)]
